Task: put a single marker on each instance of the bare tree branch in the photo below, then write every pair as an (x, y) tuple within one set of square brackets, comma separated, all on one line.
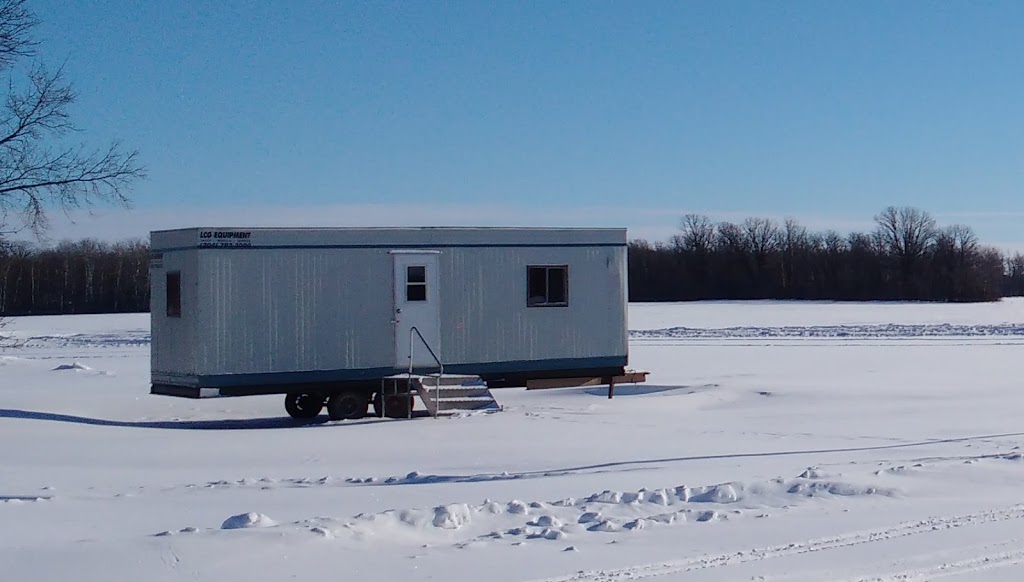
[(906, 231), (39, 170), (698, 234), (16, 21), (761, 235), (40, 108)]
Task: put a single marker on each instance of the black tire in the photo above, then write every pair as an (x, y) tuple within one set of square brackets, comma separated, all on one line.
[(398, 405), (303, 405), (378, 405), (347, 405)]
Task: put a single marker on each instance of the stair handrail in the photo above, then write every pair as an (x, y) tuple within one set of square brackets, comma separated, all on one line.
[(413, 333)]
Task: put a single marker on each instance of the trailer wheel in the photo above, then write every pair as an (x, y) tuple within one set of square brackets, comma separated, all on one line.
[(378, 405), (350, 404), (303, 405), (398, 405)]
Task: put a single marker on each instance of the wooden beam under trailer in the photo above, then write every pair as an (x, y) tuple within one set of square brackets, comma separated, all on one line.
[(630, 377)]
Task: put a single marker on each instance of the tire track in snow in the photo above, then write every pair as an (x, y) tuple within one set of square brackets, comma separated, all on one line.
[(905, 529), (960, 567), (843, 332)]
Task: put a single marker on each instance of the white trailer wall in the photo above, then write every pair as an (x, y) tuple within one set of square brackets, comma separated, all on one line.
[(317, 305), (276, 310), (485, 318), (174, 339)]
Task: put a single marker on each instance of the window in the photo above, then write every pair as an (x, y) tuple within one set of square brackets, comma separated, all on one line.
[(174, 294), (415, 283), (547, 286)]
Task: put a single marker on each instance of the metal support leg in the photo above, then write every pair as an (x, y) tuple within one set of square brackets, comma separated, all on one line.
[(437, 396)]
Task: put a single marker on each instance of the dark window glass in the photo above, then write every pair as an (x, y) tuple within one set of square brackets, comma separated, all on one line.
[(416, 292), (547, 286), (174, 294), (556, 285), (416, 274), (537, 284)]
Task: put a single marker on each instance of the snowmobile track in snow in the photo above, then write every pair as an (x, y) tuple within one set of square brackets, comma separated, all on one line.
[(836, 332), (906, 529), (968, 566)]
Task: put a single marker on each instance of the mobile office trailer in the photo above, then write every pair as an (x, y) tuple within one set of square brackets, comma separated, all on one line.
[(326, 315)]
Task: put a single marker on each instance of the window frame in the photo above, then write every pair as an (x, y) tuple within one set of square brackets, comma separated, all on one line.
[(564, 268), (410, 284), (173, 300)]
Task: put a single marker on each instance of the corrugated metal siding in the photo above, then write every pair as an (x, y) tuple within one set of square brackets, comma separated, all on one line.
[(291, 310), (278, 309), (485, 317), (173, 344)]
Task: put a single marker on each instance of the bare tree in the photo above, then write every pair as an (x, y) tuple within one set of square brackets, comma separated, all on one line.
[(794, 235), (905, 234), (729, 238), (1014, 269), (948, 260), (794, 241), (40, 167), (758, 258), (964, 239), (762, 236), (697, 234), (692, 253)]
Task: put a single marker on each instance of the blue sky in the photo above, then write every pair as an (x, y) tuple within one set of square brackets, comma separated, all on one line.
[(576, 113)]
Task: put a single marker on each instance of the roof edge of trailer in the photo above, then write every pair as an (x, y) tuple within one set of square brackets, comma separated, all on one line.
[(389, 228), (220, 237)]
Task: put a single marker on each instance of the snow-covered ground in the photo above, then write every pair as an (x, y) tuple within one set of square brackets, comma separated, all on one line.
[(773, 441)]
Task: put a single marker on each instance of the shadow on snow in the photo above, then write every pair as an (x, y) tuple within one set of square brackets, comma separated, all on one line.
[(221, 424), (417, 479)]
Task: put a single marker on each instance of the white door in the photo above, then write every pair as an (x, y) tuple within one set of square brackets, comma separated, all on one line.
[(417, 306)]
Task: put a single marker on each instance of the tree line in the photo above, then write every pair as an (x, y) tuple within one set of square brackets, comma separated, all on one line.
[(907, 256), (74, 277)]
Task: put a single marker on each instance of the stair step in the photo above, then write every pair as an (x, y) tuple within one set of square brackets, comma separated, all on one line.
[(467, 404), (484, 399), (454, 380), (460, 392), (451, 398)]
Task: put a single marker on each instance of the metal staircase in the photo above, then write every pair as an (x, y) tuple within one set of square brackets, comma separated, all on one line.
[(453, 394), (449, 394)]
